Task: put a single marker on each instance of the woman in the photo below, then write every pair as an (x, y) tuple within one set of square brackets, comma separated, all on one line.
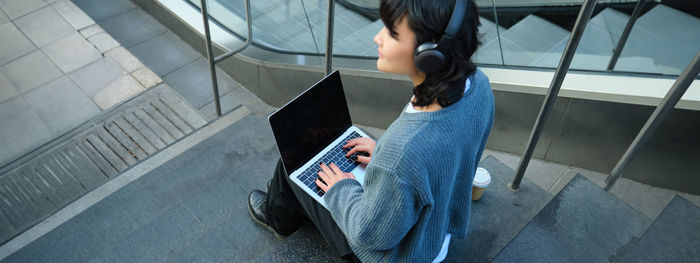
[(417, 189)]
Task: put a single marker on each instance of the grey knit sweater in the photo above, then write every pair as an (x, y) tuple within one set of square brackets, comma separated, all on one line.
[(418, 184)]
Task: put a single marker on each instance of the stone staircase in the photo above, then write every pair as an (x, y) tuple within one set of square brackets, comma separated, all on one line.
[(597, 43), (193, 208), (659, 30), (581, 223), (535, 42)]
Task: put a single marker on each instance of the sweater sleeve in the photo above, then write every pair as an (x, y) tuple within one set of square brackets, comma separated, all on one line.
[(378, 216)]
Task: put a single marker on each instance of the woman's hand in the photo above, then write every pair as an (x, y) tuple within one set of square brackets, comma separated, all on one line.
[(363, 144), (331, 175)]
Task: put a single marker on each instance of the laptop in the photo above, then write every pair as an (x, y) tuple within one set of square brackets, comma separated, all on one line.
[(312, 128)]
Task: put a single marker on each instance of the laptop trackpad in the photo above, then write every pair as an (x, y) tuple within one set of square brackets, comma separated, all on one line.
[(359, 173)]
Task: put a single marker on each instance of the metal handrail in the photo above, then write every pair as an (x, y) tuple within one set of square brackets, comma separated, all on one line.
[(498, 32), (576, 34), (210, 50), (665, 106), (625, 34), (329, 36)]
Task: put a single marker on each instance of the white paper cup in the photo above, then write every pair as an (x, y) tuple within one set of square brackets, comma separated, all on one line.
[(482, 179)]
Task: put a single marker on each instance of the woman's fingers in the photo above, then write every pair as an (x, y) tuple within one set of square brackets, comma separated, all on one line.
[(351, 151), (321, 185), (322, 175), (356, 141), (363, 159), (336, 170), (351, 176), (351, 143), (357, 148), (326, 170), (330, 175)]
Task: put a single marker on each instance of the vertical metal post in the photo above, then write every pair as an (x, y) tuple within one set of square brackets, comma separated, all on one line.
[(249, 39), (329, 36), (665, 107), (498, 32), (626, 33), (580, 25), (210, 55)]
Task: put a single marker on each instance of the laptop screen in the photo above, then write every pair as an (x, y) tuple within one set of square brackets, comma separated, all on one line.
[(311, 121)]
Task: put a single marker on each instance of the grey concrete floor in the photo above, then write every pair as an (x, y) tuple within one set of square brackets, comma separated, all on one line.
[(58, 69), (168, 56), (193, 206)]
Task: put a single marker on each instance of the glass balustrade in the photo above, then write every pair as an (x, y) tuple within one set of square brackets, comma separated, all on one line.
[(519, 33)]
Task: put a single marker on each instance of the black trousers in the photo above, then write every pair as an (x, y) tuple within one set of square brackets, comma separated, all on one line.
[(288, 205)]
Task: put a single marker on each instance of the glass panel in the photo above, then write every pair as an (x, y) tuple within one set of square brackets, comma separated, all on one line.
[(357, 22), (664, 39), (355, 25), (535, 32), (490, 50), (600, 37), (283, 25), (532, 33), (303, 28)]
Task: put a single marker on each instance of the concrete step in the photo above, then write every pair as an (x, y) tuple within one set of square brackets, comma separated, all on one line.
[(52, 176), (296, 35), (275, 22), (489, 31), (582, 223), (612, 21), (528, 41), (361, 42), (488, 52), (304, 245), (666, 35), (597, 43), (222, 10), (671, 24), (495, 219), (673, 237), (499, 216), (186, 203)]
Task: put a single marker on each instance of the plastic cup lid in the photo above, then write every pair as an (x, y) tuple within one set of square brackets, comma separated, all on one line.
[(482, 178)]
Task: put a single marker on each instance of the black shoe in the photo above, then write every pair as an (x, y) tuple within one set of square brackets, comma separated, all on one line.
[(257, 210)]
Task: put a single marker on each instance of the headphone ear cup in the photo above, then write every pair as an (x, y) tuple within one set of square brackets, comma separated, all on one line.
[(429, 60)]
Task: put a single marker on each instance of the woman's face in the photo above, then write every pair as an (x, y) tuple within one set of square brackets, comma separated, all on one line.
[(396, 54)]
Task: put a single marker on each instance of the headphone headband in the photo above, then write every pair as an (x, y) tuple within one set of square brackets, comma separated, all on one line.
[(456, 19), (430, 57)]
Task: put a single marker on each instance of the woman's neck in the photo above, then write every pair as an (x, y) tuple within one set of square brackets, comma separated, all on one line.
[(435, 106), (418, 79)]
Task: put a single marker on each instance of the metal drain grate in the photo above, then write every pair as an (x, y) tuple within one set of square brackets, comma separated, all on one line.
[(60, 174)]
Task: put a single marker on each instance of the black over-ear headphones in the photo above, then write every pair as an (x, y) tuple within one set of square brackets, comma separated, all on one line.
[(430, 57)]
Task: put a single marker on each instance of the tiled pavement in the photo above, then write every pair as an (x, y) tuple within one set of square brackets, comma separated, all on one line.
[(39, 185), (58, 69), (172, 59)]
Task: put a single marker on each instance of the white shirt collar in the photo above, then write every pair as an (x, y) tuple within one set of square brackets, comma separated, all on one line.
[(411, 109)]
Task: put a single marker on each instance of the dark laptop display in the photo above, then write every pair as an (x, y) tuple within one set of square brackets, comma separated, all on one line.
[(310, 122)]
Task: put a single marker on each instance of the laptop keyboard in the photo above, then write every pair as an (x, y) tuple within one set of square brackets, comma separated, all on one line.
[(337, 156)]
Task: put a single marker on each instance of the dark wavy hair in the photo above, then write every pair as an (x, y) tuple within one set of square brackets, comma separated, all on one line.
[(428, 19)]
